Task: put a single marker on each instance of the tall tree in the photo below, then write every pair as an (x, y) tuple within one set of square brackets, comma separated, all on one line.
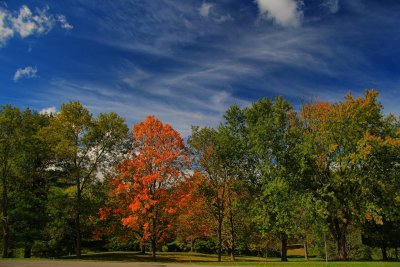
[(335, 171), (83, 146), (30, 189), (148, 181), (205, 146), (381, 157), (274, 137), (10, 119)]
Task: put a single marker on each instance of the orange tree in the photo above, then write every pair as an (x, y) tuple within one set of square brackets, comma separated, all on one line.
[(194, 221), (148, 182)]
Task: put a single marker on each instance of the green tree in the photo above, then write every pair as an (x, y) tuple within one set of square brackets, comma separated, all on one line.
[(274, 137), (32, 181), (332, 163), (10, 119), (381, 155), (204, 145), (83, 146)]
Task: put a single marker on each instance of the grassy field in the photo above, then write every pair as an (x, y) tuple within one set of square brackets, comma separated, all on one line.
[(211, 260)]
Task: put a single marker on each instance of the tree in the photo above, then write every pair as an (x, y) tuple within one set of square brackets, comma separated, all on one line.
[(32, 181), (274, 137), (205, 146), (148, 181), (83, 146), (381, 156), (194, 221), (333, 168), (10, 119)]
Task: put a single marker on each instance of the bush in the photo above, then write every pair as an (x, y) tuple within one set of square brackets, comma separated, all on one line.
[(205, 245)]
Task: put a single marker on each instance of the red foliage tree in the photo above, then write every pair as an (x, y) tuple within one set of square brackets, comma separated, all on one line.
[(147, 184)]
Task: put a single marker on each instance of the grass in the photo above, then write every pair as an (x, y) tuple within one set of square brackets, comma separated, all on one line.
[(211, 260)]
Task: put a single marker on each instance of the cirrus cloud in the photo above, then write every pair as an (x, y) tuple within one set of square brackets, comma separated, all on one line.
[(25, 22), (286, 13), (27, 72)]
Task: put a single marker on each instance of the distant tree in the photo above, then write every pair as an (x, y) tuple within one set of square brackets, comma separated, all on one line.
[(148, 181), (84, 145)]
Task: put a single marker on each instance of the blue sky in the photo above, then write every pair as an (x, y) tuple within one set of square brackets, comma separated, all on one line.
[(187, 61)]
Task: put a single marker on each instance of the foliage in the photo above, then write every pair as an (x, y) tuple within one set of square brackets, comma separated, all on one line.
[(148, 182), (83, 146)]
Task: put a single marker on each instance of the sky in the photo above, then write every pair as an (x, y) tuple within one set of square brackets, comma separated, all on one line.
[(187, 61)]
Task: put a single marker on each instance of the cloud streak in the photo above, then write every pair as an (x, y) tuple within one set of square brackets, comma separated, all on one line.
[(24, 23), (25, 73)]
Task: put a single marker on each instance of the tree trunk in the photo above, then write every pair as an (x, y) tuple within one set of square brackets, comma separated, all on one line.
[(192, 244), (341, 246), (339, 232), (384, 253), (232, 255), (78, 222), (396, 253), (284, 248), (219, 240), (232, 226), (143, 249), (153, 249), (5, 236), (4, 205), (27, 250), (306, 250)]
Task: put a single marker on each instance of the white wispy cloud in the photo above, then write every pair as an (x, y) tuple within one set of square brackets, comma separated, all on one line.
[(282, 12), (64, 23), (5, 31), (25, 22), (196, 88), (48, 111), (134, 107), (27, 72), (205, 9)]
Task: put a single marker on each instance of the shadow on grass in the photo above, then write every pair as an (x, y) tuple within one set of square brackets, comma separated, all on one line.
[(169, 257)]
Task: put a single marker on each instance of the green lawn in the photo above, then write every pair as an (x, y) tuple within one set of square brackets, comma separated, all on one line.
[(211, 260)]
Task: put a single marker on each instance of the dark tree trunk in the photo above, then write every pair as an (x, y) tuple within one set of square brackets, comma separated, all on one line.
[(284, 248), (143, 249), (339, 232), (27, 250), (4, 205), (341, 246), (153, 249), (5, 237), (219, 240), (384, 253), (232, 226), (192, 245), (78, 221), (306, 250), (396, 253)]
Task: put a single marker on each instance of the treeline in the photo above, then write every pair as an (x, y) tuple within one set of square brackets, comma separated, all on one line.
[(268, 177)]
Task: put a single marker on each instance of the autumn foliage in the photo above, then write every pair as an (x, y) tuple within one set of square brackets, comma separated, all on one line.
[(148, 182)]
